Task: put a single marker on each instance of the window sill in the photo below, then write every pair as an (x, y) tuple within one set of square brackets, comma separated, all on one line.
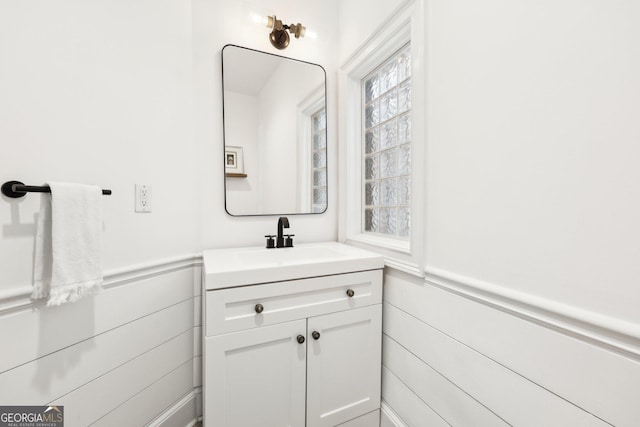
[(396, 253), (401, 246)]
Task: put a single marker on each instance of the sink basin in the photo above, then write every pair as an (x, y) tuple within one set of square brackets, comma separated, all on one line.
[(286, 255), (245, 266)]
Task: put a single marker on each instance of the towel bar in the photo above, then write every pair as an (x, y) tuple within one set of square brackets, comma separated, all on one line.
[(15, 189)]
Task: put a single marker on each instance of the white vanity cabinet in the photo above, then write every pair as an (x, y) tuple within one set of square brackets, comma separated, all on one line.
[(343, 365), (303, 352), (256, 377)]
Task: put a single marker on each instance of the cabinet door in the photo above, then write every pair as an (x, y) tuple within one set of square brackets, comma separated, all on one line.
[(343, 365), (256, 377)]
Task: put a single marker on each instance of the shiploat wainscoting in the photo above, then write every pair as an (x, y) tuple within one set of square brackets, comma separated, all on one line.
[(128, 356), (455, 354)]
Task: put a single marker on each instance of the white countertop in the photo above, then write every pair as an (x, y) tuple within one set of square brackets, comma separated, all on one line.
[(224, 268)]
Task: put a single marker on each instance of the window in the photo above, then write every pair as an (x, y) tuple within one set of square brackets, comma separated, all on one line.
[(382, 150), (311, 126), (319, 161), (386, 136)]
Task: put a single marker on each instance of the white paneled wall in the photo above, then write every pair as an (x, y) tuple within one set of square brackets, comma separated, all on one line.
[(120, 358), (475, 364)]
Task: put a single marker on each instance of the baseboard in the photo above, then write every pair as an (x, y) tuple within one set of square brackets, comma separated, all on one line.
[(182, 413), (388, 417)]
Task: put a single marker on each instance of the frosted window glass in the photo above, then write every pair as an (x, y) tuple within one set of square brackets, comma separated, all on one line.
[(404, 65), (371, 194), (389, 134), (371, 220), (404, 159), (404, 128), (388, 220), (371, 167), (319, 196), (404, 190), (319, 121), (320, 177), (320, 159), (404, 97), (389, 105), (389, 76), (319, 141), (372, 143), (372, 115), (372, 89), (386, 157), (388, 163), (404, 222), (389, 192)]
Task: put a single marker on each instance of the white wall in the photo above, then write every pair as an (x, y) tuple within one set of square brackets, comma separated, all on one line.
[(280, 146), (358, 19), (216, 24), (242, 116), (533, 141), (99, 93), (527, 315)]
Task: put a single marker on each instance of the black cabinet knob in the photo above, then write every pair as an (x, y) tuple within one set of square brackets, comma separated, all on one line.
[(315, 335), (350, 293), (259, 308), (300, 339)]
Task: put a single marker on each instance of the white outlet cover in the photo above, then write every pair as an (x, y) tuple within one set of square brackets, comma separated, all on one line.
[(143, 198)]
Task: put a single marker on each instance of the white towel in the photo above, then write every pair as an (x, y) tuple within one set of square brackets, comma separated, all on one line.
[(68, 261)]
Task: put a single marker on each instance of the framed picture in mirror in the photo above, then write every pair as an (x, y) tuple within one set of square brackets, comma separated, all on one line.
[(234, 162)]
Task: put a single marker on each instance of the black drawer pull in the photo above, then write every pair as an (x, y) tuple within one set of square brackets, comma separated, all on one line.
[(259, 308)]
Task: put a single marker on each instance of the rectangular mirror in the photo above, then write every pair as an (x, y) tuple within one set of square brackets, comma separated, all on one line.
[(275, 134)]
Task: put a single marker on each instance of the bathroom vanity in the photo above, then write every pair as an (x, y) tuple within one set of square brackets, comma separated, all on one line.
[(292, 336)]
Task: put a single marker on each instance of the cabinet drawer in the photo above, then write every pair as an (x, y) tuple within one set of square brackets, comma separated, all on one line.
[(234, 309)]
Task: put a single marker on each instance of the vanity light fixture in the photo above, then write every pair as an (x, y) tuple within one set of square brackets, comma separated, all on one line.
[(279, 37)]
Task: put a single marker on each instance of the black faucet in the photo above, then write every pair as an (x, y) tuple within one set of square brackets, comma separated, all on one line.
[(282, 240), (283, 222)]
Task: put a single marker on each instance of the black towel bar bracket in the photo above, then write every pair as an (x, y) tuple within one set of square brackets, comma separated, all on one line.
[(15, 189)]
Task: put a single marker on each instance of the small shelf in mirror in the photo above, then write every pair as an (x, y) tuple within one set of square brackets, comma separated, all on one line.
[(235, 175)]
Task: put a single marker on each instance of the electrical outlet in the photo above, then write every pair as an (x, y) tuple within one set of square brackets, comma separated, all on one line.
[(143, 198)]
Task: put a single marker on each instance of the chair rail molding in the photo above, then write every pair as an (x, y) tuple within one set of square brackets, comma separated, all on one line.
[(19, 297), (613, 334)]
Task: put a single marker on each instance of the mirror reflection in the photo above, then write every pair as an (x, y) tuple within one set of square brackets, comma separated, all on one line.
[(275, 134)]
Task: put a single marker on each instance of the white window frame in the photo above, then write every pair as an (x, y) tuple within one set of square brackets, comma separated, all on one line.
[(404, 26)]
